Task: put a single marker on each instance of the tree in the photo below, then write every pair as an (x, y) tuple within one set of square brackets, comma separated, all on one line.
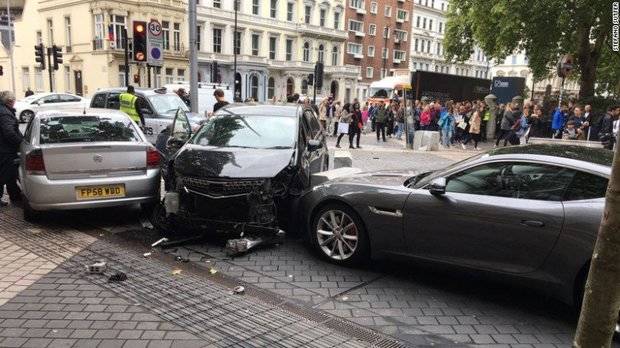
[(608, 74), (543, 29), (599, 312)]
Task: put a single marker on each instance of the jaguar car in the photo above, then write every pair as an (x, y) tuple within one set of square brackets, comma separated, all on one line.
[(529, 213)]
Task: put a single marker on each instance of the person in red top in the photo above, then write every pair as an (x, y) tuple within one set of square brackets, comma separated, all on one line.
[(425, 118)]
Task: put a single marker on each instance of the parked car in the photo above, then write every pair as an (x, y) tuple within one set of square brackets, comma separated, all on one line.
[(158, 106), (531, 213), (244, 169), (29, 106), (86, 159)]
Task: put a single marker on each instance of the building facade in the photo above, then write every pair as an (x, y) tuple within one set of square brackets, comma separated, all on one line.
[(378, 39), (277, 43), (427, 49), (90, 34), (517, 65)]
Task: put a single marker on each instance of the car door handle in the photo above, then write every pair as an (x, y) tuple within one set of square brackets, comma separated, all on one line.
[(532, 223), (387, 212)]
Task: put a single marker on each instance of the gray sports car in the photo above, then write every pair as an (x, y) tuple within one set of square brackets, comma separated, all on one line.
[(529, 212)]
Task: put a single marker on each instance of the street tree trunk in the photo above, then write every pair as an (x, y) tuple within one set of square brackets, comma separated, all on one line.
[(599, 312)]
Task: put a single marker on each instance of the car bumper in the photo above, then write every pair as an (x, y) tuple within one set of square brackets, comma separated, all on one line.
[(45, 194)]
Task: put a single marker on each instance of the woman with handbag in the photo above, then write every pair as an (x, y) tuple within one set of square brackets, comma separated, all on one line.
[(343, 124)]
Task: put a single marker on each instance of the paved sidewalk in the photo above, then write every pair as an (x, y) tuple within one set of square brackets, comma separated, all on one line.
[(154, 307)]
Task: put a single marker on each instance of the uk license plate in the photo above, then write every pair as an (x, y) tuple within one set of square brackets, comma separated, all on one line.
[(99, 192)]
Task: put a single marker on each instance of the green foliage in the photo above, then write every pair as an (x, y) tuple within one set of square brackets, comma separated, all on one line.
[(608, 73), (543, 29)]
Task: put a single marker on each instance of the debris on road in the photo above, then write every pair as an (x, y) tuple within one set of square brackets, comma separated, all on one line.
[(146, 224), (146, 254), (239, 290), (176, 272), (117, 277), (212, 270), (179, 242), (242, 245), (96, 268), (159, 242), (181, 258)]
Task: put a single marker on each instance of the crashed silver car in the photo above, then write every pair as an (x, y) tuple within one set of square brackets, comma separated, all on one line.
[(241, 172)]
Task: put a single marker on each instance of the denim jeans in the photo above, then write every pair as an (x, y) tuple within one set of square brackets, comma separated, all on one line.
[(401, 129), (446, 136)]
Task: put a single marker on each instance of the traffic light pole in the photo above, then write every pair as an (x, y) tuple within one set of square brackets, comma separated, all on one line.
[(126, 44), (11, 44), (50, 68), (193, 58)]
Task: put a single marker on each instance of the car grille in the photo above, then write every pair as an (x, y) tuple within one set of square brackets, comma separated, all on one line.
[(222, 187)]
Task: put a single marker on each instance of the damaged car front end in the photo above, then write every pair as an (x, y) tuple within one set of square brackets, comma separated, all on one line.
[(242, 172)]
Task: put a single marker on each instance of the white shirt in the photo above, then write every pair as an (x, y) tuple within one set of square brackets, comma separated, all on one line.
[(616, 126)]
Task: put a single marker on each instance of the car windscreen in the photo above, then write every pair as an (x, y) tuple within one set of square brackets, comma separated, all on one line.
[(260, 132), (77, 129), (167, 104)]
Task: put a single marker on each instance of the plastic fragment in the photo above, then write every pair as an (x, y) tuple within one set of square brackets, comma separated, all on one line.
[(159, 242)]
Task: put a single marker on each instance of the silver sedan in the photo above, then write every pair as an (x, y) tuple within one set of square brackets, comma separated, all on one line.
[(528, 213), (87, 159)]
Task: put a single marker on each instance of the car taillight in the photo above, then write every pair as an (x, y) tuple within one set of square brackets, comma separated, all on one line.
[(34, 163), (152, 158)]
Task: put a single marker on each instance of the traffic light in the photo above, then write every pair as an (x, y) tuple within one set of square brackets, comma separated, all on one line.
[(318, 75), (310, 79), (39, 55), (139, 41), (215, 73), (1, 70), (56, 56)]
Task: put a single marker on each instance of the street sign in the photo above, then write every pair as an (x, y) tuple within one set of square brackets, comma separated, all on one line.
[(155, 44)]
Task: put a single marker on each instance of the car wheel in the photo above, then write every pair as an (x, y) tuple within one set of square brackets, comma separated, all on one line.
[(338, 234), (26, 116), (162, 223), (30, 214)]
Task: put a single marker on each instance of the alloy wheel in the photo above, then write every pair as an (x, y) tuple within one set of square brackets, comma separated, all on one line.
[(337, 235)]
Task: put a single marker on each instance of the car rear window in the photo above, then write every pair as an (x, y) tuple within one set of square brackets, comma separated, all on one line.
[(78, 129)]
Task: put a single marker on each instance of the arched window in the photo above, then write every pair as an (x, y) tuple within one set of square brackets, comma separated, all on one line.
[(321, 53), (271, 87), (290, 86), (306, 52), (254, 87), (304, 86), (335, 56)]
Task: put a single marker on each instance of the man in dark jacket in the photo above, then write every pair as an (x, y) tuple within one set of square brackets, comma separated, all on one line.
[(606, 134), (10, 139)]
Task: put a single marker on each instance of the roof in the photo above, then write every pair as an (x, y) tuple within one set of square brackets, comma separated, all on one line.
[(598, 156), (261, 109)]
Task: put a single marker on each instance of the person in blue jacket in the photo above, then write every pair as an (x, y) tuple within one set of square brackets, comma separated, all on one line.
[(560, 116)]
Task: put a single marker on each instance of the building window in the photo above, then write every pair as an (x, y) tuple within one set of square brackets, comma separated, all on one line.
[(121, 75), (273, 42), (306, 55), (217, 3), (400, 35), (177, 37), (271, 88), (67, 34), (369, 72), (438, 49), (357, 4), (99, 32), (67, 79), (198, 36), (118, 24), (402, 15), (440, 27), (254, 87), (423, 23), (169, 78), (399, 55), (255, 7), (255, 44), (356, 26), (430, 24), (415, 46), (388, 11), (353, 48), (371, 51), (165, 27), (290, 11), (38, 79), (417, 21), (386, 32), (273, 9), (307, 14), (289, 50), (321, 53), (335, 56), (290, 86), (26, 78), (336, 20), (442, 6), (50, 31), (322, 15), (217, 40), (237, 42), (181, 75), (372, 29), (428, 47), (373, 7)]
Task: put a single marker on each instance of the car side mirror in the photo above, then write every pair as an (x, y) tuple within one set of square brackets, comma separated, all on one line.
[(438, 186), (314, 145)]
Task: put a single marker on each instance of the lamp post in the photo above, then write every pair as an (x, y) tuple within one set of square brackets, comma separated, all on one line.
[(193, 58)]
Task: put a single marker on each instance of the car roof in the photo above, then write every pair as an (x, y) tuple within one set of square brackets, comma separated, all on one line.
[(598, 156), (261, 109), (143, 91), (74, 112)]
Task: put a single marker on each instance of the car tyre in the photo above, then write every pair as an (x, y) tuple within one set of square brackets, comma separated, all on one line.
[(344, 244), (26, 116), (30, 214), (161, 223)]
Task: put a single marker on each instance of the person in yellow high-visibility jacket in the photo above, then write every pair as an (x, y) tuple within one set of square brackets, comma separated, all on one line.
[(129, 105)]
